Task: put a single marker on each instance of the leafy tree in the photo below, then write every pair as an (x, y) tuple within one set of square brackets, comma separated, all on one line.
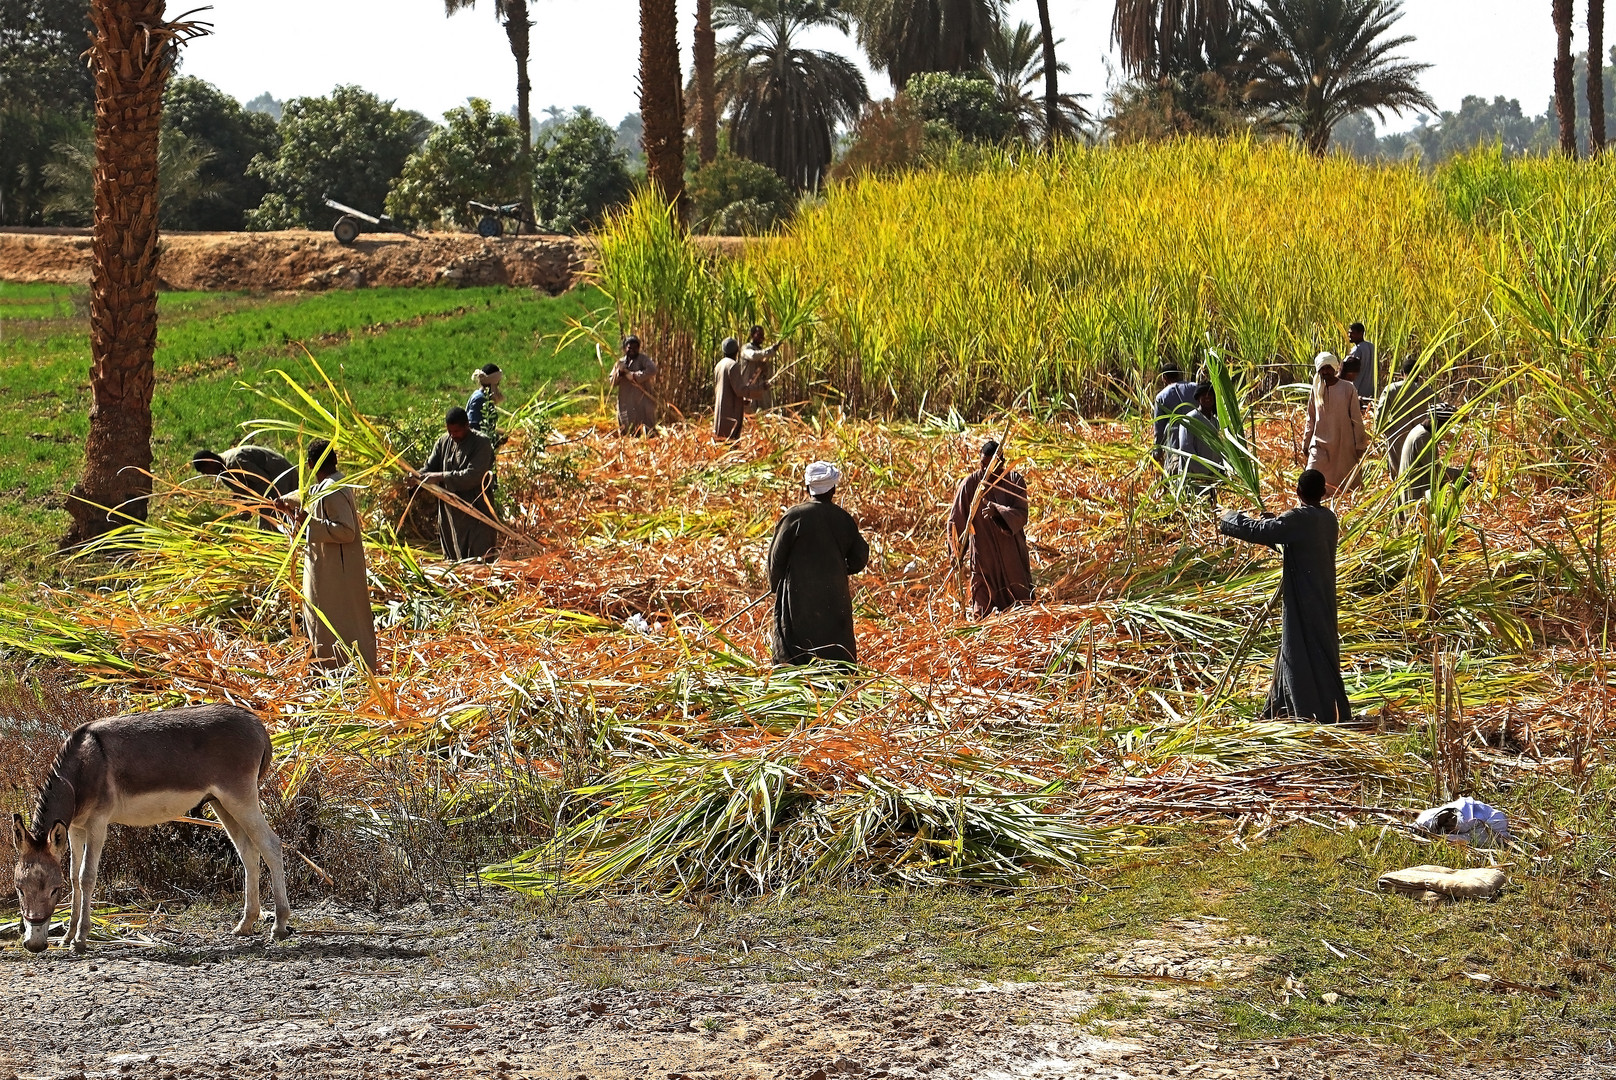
[(579, 173), (785, 103), (1014, 62), (1480, 122), (513, 16), (718, 189), (965, 105), (906, 37), (1318, 61), (350, 145), (476, 154), (1194, 77), (890, 137), (46, 94), (214, 123), (266, 104), (182, 183)]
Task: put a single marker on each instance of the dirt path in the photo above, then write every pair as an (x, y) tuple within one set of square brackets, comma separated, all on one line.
[(417, 996)]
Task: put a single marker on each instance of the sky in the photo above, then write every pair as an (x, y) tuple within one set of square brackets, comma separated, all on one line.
[(586, 52)]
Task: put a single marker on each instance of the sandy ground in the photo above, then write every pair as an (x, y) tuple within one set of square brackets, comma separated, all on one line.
[(495, 994)]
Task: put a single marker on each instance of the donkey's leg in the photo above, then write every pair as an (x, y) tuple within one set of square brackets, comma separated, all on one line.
[(251, 816), (95, 837), (76, 845), (248, 851)]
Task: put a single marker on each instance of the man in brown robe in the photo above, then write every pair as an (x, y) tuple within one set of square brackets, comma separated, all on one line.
[(633, 376), (1001, 570), (731, 391), (336, 599), (462, 463)]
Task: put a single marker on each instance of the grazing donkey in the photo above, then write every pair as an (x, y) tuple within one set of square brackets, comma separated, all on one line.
[(145, 769)]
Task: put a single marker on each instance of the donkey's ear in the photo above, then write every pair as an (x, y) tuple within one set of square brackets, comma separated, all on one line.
[(57, 840), (19, 833)]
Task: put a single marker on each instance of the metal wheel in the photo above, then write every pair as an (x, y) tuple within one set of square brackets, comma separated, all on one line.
[(488, 225), (346, 230)]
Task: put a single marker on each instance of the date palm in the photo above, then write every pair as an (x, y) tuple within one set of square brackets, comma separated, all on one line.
[(132, 53), (513, 15), (785, 102), (1016, 62), (703, 58), (1596, 77), (662, 109), (1319, 61), (906, 37), (1160, 38)]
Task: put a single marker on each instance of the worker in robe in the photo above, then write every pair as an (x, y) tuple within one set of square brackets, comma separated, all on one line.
[(1406, 402), (1307, 672), (1175, 397), (816, 548), (336, 599), (1334, 439), (1190, 453), (1421, 467), (253, 474), (1362, 353), (482, 408), (731, 391), (462, 463), (757, 361), (634, 376), (995, 539)]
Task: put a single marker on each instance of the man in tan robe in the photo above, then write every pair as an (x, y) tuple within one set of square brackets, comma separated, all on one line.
[(731, 391), (462, 463), (1001, 569), (633, 375), (336, 598), (757, 362), (1334, 440)]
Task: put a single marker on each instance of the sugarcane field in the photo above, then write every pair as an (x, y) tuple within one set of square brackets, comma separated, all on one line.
[(1089, 567)]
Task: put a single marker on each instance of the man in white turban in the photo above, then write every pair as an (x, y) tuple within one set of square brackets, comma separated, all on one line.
[(1334, 440), (816, 547)]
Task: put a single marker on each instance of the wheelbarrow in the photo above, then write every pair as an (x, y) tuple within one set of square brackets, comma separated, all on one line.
[(346, 230), (492, 221)]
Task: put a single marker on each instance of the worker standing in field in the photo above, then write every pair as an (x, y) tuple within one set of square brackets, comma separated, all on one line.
[(1334, 438), (1402, 407), (255, 474), (1307, 672), (1175, 398), (996, 538), (633, 375), (336, 598), (731, 392), (1362, 351), (462, 463), (481, 409), (816, 548), (757, 360), (1189, 454)]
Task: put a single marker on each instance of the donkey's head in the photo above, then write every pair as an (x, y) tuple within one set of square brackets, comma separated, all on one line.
[(40, 884)]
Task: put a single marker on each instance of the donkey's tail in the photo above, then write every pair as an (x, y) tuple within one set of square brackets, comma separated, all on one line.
[(267, 760)]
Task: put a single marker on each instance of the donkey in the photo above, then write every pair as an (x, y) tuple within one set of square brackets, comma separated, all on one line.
[(145, 769)]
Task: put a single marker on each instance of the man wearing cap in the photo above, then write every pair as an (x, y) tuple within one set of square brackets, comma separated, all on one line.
[(816, 547), (461, 463), (731, 391), (254, 474), (1334, 439), (1307, 672), (633, 375), (996, 538)]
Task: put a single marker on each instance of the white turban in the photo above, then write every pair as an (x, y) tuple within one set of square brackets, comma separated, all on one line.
[(821, 477), (490, 380), (1325, 360)]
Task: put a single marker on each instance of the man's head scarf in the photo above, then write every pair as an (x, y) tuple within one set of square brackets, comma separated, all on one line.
[(821, 477), (731, 348), (1326, 360), (490, 380)]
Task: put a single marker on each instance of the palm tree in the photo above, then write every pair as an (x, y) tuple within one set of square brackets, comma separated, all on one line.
[(703, 56), (662, 109), (1596, 77), (906, 37), (1565, 102), (1162, 37), (132, 53), (512, 14), (1052, 98), (180, 180), (1320, 61), (785, 103), (1015, 62)]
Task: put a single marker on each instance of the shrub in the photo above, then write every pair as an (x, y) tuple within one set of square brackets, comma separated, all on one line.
[(890, 137), (476, 154), (579, 172), (731, 196), (967, 104)]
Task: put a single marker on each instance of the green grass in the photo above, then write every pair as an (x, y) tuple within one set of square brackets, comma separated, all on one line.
[(399, 350)]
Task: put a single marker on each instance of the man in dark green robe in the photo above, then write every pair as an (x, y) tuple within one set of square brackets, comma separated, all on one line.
[(816, 547), (254, 474), (462, 463), (1307, 672)]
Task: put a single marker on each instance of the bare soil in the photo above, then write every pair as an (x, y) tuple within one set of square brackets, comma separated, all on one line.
[(498, 992), (305, 260)]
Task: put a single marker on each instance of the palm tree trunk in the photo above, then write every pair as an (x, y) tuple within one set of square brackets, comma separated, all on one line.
[(517, 27), (1565, 101), (131, 54), (1051, 90), (1596, 77), (661, 107), (704, 55)]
